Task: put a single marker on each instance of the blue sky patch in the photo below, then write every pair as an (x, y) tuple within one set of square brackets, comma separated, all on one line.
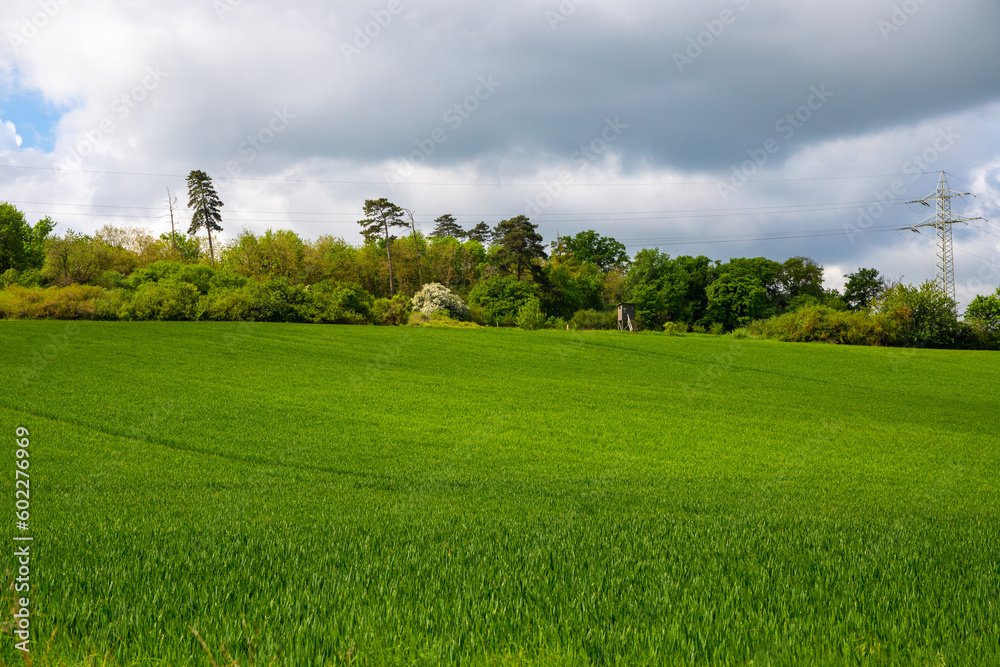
[(34, 118)]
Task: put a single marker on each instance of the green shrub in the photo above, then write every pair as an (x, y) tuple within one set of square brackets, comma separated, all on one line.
[(231, 304), (717, 329), (501, 298), (26, 278), (111, 280), (977, 334), (15, 301), (164, 300), (822, 323), (279, 301), (226, 280), (675, 328), (109, 304), (921, 316), (53, 303), (983, 314), (30, 278), (584, 320), (439, 319), (199, 275), (801, 301), (392, 312), (530, 317), (338, 303), (478, 315)]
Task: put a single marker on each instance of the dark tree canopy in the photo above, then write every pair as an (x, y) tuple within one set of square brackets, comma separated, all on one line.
[(517, 245), (205, 202), (801, 276), (447, 226), (736, 301), (481, 233), (380, 216), (863, 288)]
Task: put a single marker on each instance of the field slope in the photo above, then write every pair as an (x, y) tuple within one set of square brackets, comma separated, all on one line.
[(331, 495)]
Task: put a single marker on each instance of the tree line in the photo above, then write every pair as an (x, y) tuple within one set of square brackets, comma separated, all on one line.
[(505, 273)]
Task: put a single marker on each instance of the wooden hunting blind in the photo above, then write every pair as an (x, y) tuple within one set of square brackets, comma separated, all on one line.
[(626, 316)]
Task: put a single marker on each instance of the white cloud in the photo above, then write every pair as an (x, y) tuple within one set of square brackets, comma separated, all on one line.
[(10, 140)]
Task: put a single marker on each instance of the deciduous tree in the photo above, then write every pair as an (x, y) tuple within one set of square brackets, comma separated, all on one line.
[(925, 315), (589, 246), (801, 276), (863, 288), (736, 301), (22, 247), (986, 311)]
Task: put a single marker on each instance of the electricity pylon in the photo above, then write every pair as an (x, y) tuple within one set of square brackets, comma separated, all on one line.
[(942, 222)]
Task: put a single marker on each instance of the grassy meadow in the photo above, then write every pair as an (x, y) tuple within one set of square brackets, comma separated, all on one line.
[(218, 493)]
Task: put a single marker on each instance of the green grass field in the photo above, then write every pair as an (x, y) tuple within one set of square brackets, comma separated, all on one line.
[(314, 495)]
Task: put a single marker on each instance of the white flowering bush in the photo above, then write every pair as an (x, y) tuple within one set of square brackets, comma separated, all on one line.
[(433, 297)]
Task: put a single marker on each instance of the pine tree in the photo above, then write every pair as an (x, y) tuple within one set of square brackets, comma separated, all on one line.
[(205, 203), (446, 226), (481, 233), (518, 245), (380, 215)]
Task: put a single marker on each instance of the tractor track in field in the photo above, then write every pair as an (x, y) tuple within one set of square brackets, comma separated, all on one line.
[(253, 460)]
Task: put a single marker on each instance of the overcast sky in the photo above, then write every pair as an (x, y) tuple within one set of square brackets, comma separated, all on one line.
[(725, 128)]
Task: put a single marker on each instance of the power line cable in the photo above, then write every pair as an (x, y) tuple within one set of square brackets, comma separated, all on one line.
[(479, 184)]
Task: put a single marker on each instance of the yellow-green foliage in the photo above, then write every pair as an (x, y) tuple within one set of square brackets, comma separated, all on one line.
[(392, 312), (675, 328), (820, 323), (439, 319), (57, 303)]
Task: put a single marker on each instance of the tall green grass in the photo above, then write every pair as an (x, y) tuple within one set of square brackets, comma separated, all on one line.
[(362, 495)]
